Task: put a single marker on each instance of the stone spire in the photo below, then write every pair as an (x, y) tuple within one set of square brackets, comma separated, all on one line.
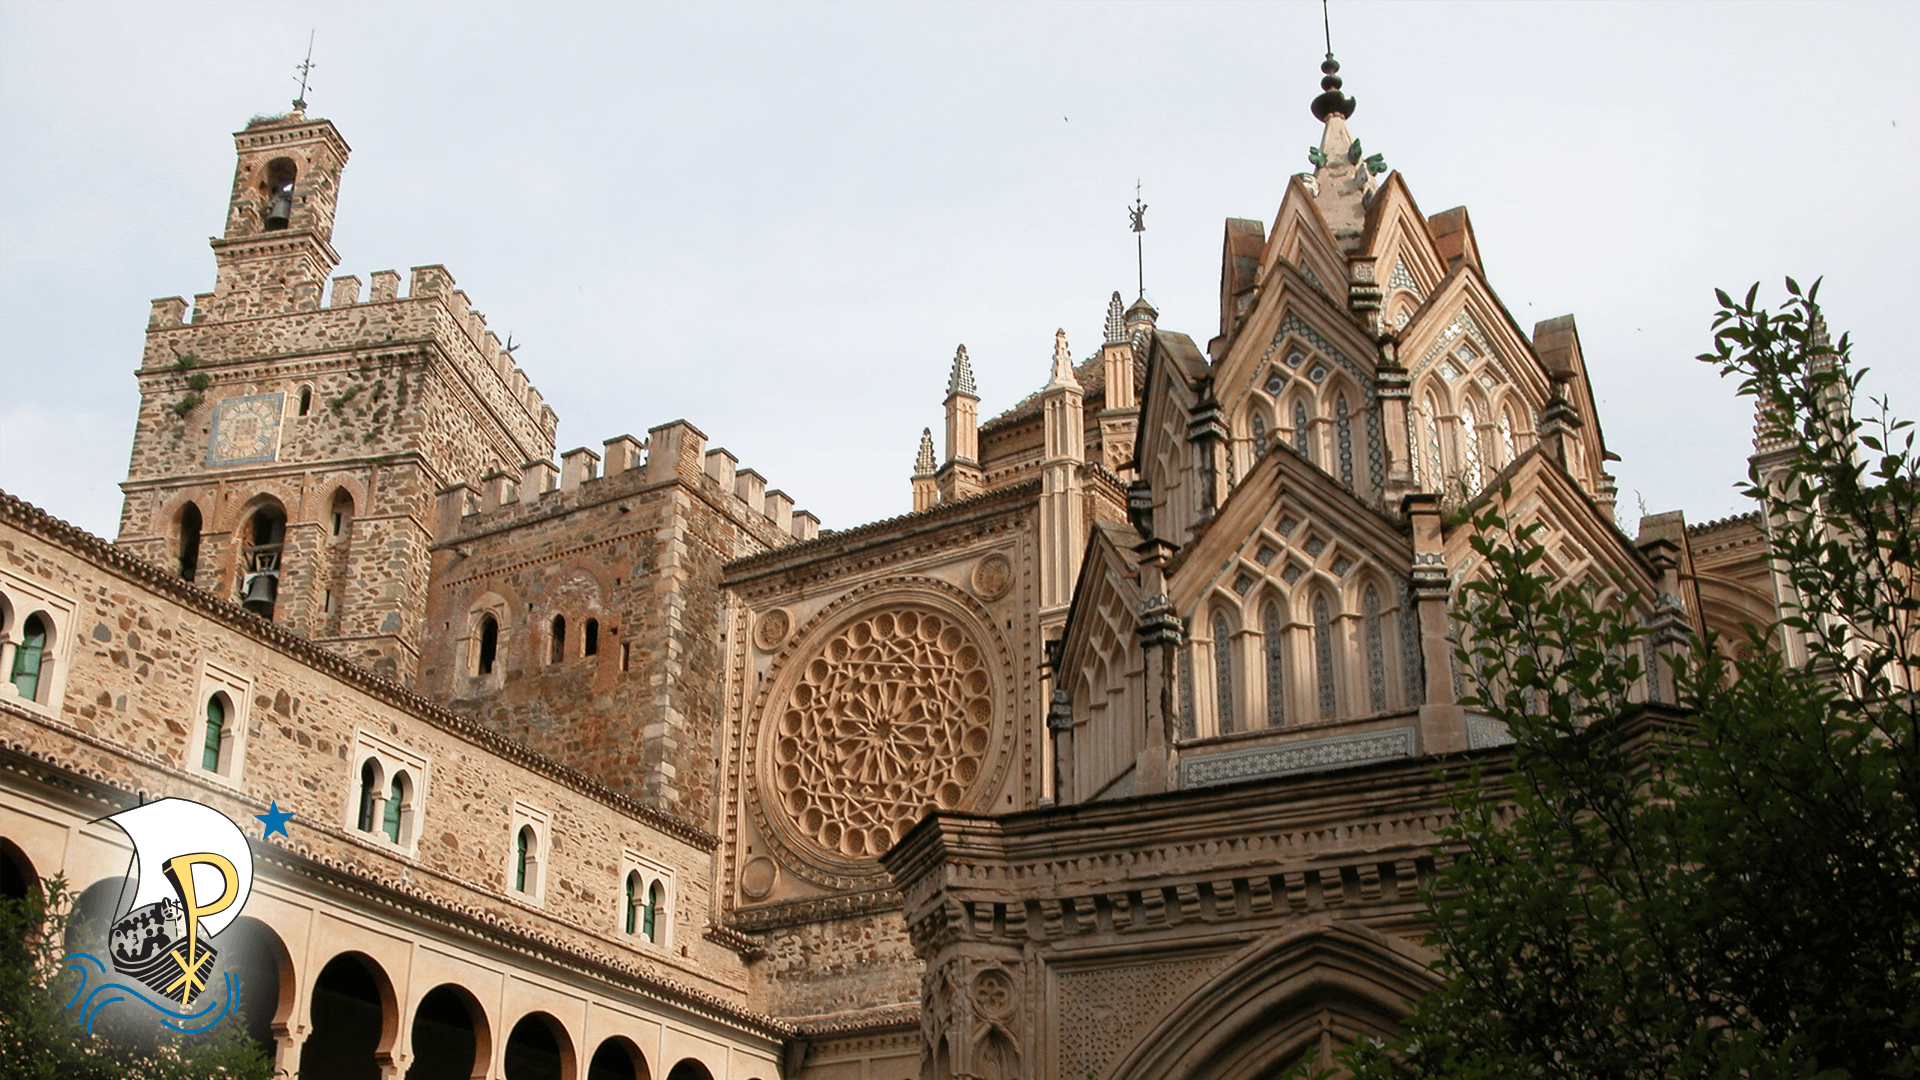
[(1344, 177), (961, 380), (923, 465), (1062, 362), (1116, 321)]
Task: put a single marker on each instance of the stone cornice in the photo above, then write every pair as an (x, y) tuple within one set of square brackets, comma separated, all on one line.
[(800, 912), (32, 520)]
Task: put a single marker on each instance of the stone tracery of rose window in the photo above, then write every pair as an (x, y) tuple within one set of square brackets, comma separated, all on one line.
[(891, 716)]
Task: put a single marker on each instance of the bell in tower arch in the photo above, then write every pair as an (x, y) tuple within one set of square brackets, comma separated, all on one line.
[(279, 179)]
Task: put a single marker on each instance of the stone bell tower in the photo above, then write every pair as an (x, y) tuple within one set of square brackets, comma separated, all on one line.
[(295, 440), (277, 251)]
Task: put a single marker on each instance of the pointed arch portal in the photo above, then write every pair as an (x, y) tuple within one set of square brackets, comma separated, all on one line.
[(1268, 1010)]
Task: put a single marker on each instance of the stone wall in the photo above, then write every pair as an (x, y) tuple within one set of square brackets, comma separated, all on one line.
[(632, 556), (141, 653)]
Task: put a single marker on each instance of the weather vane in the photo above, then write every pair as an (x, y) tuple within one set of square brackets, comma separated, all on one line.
[(1138, 212), (304, 67)]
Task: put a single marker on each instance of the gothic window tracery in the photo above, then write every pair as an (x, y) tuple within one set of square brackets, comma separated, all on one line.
[(1430, 413), (1275, 650), (1344, 425), (1323, 655), (1223, 671), (1302, 441), (1506, 433), (1376, 649), (1470, 445)]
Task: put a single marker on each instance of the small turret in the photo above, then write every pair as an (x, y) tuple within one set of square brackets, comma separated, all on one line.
[(960, 476), (925, 491), (1062, 514)]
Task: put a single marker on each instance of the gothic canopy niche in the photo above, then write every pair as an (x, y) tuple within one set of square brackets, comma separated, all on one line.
[(889, 704)]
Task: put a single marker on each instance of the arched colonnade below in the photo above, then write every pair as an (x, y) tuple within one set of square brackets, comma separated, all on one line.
[(398, 1009)]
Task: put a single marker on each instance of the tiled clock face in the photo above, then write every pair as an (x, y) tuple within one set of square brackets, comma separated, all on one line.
[(245, 430)]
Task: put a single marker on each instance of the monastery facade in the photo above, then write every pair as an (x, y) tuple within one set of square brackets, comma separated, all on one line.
[(1115, 757)]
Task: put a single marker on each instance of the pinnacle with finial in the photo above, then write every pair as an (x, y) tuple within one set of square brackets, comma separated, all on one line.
[(923, 464), (1062, 362), (1331, 99), (961, 380), (1116, 321)]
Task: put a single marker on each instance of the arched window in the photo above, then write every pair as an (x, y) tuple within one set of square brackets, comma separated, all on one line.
[(29, 656), (397, 800), (341, 518), (1223, 671), (656, 899), (1270, 628), (633, 900), (1506, 434), (189, 540), (1259, 426), (306, 400), (1323, 655), (557, 650), (489, 645), (369, 793), (590, 638), (1302, 441), (522, 856), (216, 733), (1376, 649), (1470, 446), (1430, 412), (1343, 424)]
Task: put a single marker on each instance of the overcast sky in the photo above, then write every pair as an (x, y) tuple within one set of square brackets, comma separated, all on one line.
[(778, 221)]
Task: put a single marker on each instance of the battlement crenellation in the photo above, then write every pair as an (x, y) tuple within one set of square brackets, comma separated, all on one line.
[(674, 452)]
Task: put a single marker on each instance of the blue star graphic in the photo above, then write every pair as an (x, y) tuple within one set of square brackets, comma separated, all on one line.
[(276, 820)]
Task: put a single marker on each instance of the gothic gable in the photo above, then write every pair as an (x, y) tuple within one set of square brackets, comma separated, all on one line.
[(1296, 600), (1100, 660), (1580, 542), (1407, 264)]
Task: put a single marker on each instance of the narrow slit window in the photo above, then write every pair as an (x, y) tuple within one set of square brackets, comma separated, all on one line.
[(1323, 655), (590, 638), (216, 732), (656, 896), (306, 400), (189, 541), (29, 656), (522, 855), (489, 645), (1376, 651), (1223, 671), (558, 640), (369, 791), (633, 901), (396, 799), (1271, 629)]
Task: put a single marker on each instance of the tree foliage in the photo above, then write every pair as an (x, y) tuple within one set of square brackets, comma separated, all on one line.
[(1729, 887), (39, 1038)]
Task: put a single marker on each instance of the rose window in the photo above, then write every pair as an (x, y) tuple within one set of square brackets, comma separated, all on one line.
[(891, 717)]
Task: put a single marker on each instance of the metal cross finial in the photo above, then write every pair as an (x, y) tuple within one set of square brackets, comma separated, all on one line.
[(1138, 212), (304, 68)]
